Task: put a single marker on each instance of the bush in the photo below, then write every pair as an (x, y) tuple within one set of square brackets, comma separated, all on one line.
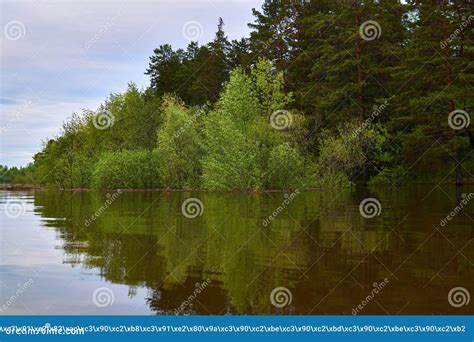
[(238, 100), (127, 170), (286, 168), (231, 159), (344, 155), (178, 145)]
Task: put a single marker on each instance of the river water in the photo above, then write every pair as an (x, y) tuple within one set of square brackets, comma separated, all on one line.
[(408, 251)]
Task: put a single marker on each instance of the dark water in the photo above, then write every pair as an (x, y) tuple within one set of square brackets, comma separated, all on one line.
[(148, 258)]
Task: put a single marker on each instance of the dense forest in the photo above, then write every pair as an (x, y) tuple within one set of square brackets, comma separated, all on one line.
[(321, 94)]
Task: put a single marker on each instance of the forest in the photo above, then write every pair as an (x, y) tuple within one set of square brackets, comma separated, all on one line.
[(321, 94)]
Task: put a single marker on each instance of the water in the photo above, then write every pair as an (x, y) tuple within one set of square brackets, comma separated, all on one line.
[(136, 253)]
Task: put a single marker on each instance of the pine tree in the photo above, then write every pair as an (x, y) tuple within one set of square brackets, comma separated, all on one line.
[(436, 76), (272, 32), (216, 67), (163, 67)]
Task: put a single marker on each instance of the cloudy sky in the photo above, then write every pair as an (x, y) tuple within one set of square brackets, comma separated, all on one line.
[(58, 57)]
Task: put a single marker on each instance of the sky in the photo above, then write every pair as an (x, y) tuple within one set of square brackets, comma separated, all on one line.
[(59, 57)]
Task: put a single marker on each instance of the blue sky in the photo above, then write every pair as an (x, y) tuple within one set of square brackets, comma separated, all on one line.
[(58, 57)]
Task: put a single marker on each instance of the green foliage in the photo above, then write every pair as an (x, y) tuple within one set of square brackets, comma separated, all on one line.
[(344, 154), (15, 175), (7, 175), (286, 168), (127, 170), (127, 121), (178, 145), (231, 159), (238, 140), (269, 87), (197, 74), (238, 100), (311, 59)]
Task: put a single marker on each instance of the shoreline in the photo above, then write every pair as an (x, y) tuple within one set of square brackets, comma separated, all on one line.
[(29, 187), (16, 187)]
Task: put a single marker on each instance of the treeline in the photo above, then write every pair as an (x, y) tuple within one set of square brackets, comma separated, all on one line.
[(322, 93), (21, 175)]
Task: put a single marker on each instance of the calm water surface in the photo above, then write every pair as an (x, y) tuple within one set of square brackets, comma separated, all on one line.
[(151, 259)]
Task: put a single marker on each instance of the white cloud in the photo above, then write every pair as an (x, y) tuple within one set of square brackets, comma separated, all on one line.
[(74, 53)]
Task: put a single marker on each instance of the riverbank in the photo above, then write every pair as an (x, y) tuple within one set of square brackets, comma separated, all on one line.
[(19, 187), (31, 187)]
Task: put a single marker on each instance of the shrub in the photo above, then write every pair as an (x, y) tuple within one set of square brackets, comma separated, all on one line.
[(127, 170), (286, 168), (343, 155), (178, 145), (231, 159)]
